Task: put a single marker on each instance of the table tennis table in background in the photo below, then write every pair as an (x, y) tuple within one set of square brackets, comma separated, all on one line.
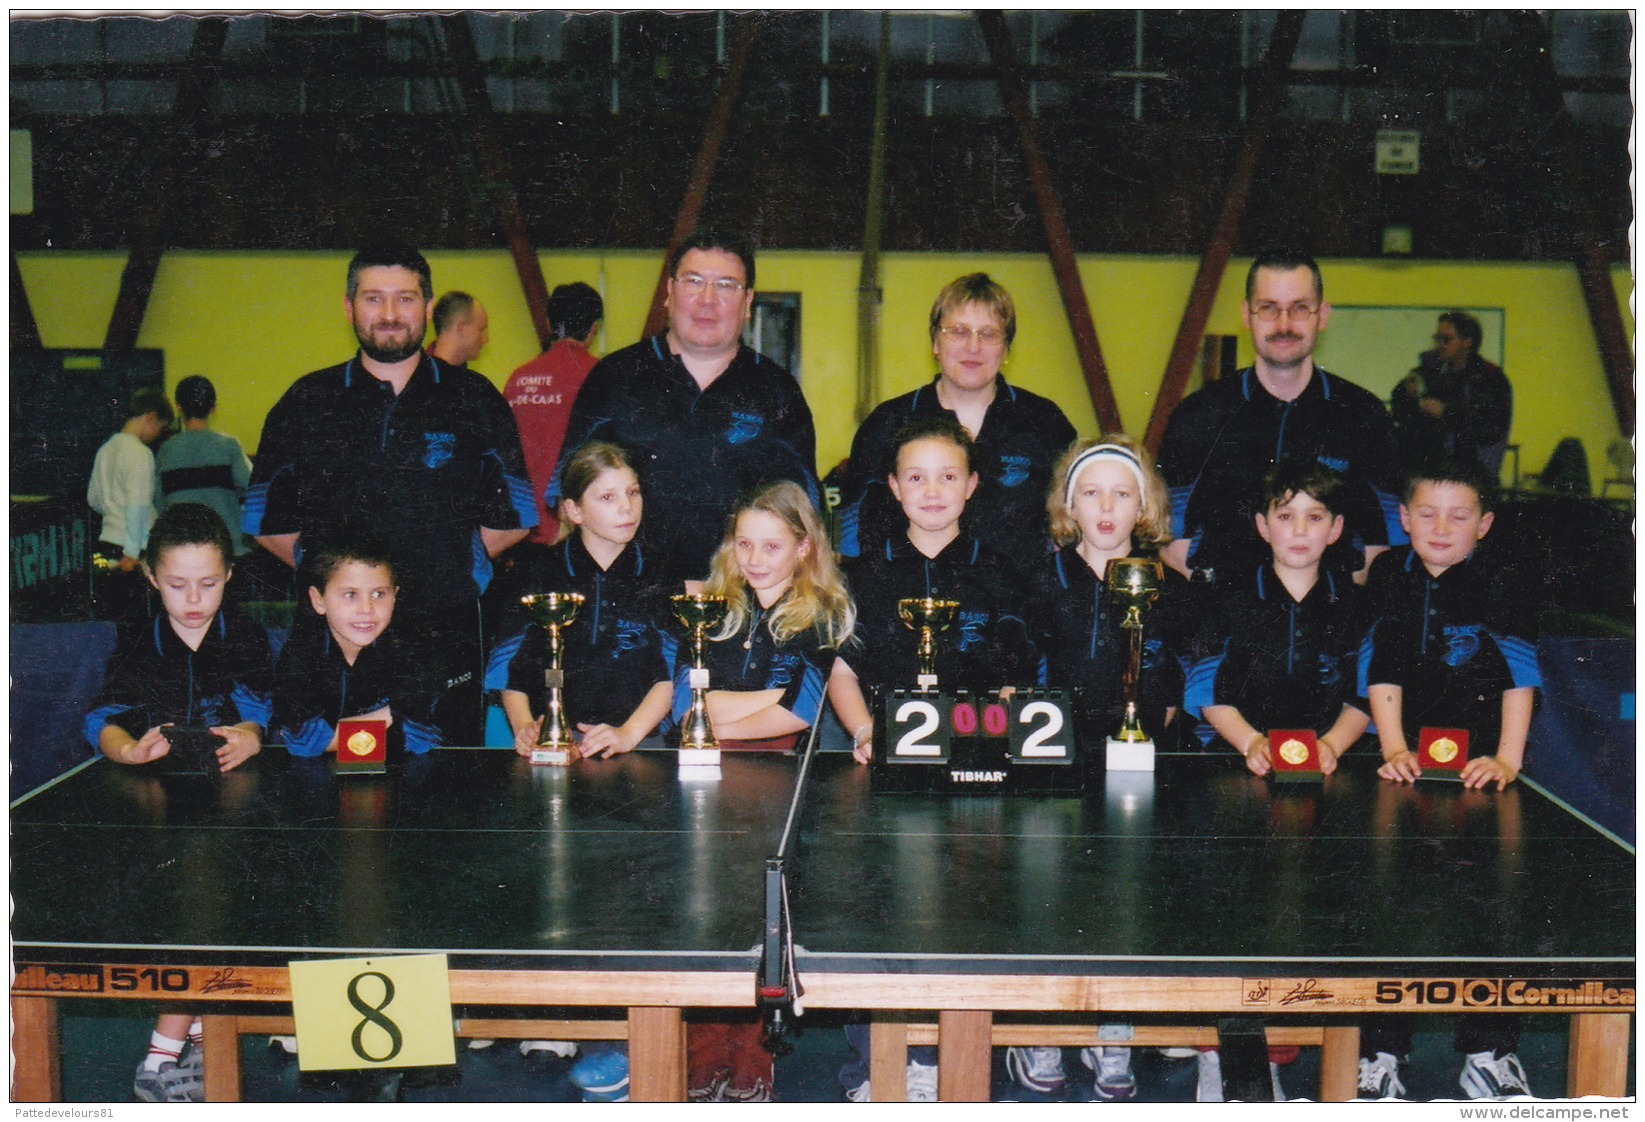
[(617, 888)]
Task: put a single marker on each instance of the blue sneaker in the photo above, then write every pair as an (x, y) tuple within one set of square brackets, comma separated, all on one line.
[(603, 1077)]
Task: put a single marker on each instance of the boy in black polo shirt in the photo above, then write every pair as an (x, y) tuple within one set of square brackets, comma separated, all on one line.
[(1282, 650), (346, 661), (1453, 647)]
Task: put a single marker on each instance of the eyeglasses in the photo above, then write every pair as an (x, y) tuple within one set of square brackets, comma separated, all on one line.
[(1446, 338), (987, 336), (721, 286), (1268, 311)]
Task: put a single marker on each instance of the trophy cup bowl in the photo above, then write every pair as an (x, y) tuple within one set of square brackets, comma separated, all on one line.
[(928, 616), (1135, 583), (553, 611), (699, 613)]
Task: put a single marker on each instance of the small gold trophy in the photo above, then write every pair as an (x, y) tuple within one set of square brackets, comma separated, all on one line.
[(553, 611), (928, 616), (1135, 583), (699, 612)]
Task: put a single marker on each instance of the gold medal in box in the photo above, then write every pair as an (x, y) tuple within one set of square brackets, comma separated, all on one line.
[(362, 747), (1442, 750), (1294, 754)]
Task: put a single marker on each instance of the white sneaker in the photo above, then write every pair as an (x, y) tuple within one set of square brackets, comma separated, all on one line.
[(1112, 1067), (1486, 1077), (922, 1082), (1037, 1068), (564, 1049), (1379, 1078)]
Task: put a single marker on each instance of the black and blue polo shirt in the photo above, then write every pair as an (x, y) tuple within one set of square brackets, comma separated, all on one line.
[(1454, 643), (1223, 439), (424, 469), (1022, 435), (315, 687), (696, 450), (1283, 663), (986, 647), (153, 678), (754, 659), (612, 653)]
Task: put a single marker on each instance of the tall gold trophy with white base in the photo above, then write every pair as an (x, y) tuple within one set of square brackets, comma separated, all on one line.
[(553, 611), (1135, 583), (700, 613), (928, 616)]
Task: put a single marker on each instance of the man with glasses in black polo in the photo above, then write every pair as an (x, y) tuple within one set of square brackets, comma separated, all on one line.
[(706, 416), (1222, 440)]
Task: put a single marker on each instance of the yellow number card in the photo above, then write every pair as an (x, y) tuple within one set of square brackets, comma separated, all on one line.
[(393, 1012)]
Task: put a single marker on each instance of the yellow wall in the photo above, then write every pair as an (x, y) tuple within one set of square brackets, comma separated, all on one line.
[(254, 321)]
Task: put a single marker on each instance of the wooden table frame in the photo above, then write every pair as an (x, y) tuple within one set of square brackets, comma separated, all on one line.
[(965, 1006), (654, 1027), (966, 1029)]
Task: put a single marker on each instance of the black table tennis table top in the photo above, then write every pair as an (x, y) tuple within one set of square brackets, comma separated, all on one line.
[(1198, 868), (1203, 868)]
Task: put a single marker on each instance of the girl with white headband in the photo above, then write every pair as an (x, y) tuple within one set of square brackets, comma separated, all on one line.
[(1105, 501)]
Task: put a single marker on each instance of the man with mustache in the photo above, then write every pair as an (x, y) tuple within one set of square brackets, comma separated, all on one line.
[(400, 444), (1222, 440)]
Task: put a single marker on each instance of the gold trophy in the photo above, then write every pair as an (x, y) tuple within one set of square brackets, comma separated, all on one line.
[(928, 616), (553, 611), (1135, 583), (699, 612)]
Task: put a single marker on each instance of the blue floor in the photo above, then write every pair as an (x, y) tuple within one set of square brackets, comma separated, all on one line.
[(103, 1041)]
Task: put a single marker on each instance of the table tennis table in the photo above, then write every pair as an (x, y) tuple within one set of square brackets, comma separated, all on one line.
[(1200, 892), (618, 888)]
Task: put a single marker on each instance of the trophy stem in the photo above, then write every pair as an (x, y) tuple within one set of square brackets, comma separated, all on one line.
[(696, 731)]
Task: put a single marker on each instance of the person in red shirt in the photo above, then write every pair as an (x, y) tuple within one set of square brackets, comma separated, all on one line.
[(541, 391)]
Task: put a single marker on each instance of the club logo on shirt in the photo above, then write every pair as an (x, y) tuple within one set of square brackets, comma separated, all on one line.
[(1461, 644), (1013, 471), (438, 448), (630, 635), (744, 427), (783, 668), (971, 627), (1330, 670)]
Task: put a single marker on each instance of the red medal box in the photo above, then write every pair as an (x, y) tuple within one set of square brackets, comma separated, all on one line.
[(1442, 749), (1294, 754), (362, 746)]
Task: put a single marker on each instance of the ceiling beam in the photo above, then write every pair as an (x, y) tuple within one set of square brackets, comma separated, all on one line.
[(471, 80), (726, 95), (147, 234)]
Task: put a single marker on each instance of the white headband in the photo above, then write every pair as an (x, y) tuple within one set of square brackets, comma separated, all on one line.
[(1102, 452)]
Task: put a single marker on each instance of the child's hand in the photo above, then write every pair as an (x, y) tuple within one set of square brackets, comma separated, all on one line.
[(525, 737), (1259, 755), (1402, 767), (1328, 756), (148, 747), (1481, 771), (239, 746), (603, 740)]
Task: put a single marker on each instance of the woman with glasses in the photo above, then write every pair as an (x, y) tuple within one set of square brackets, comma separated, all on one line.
[(1017, 435)]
